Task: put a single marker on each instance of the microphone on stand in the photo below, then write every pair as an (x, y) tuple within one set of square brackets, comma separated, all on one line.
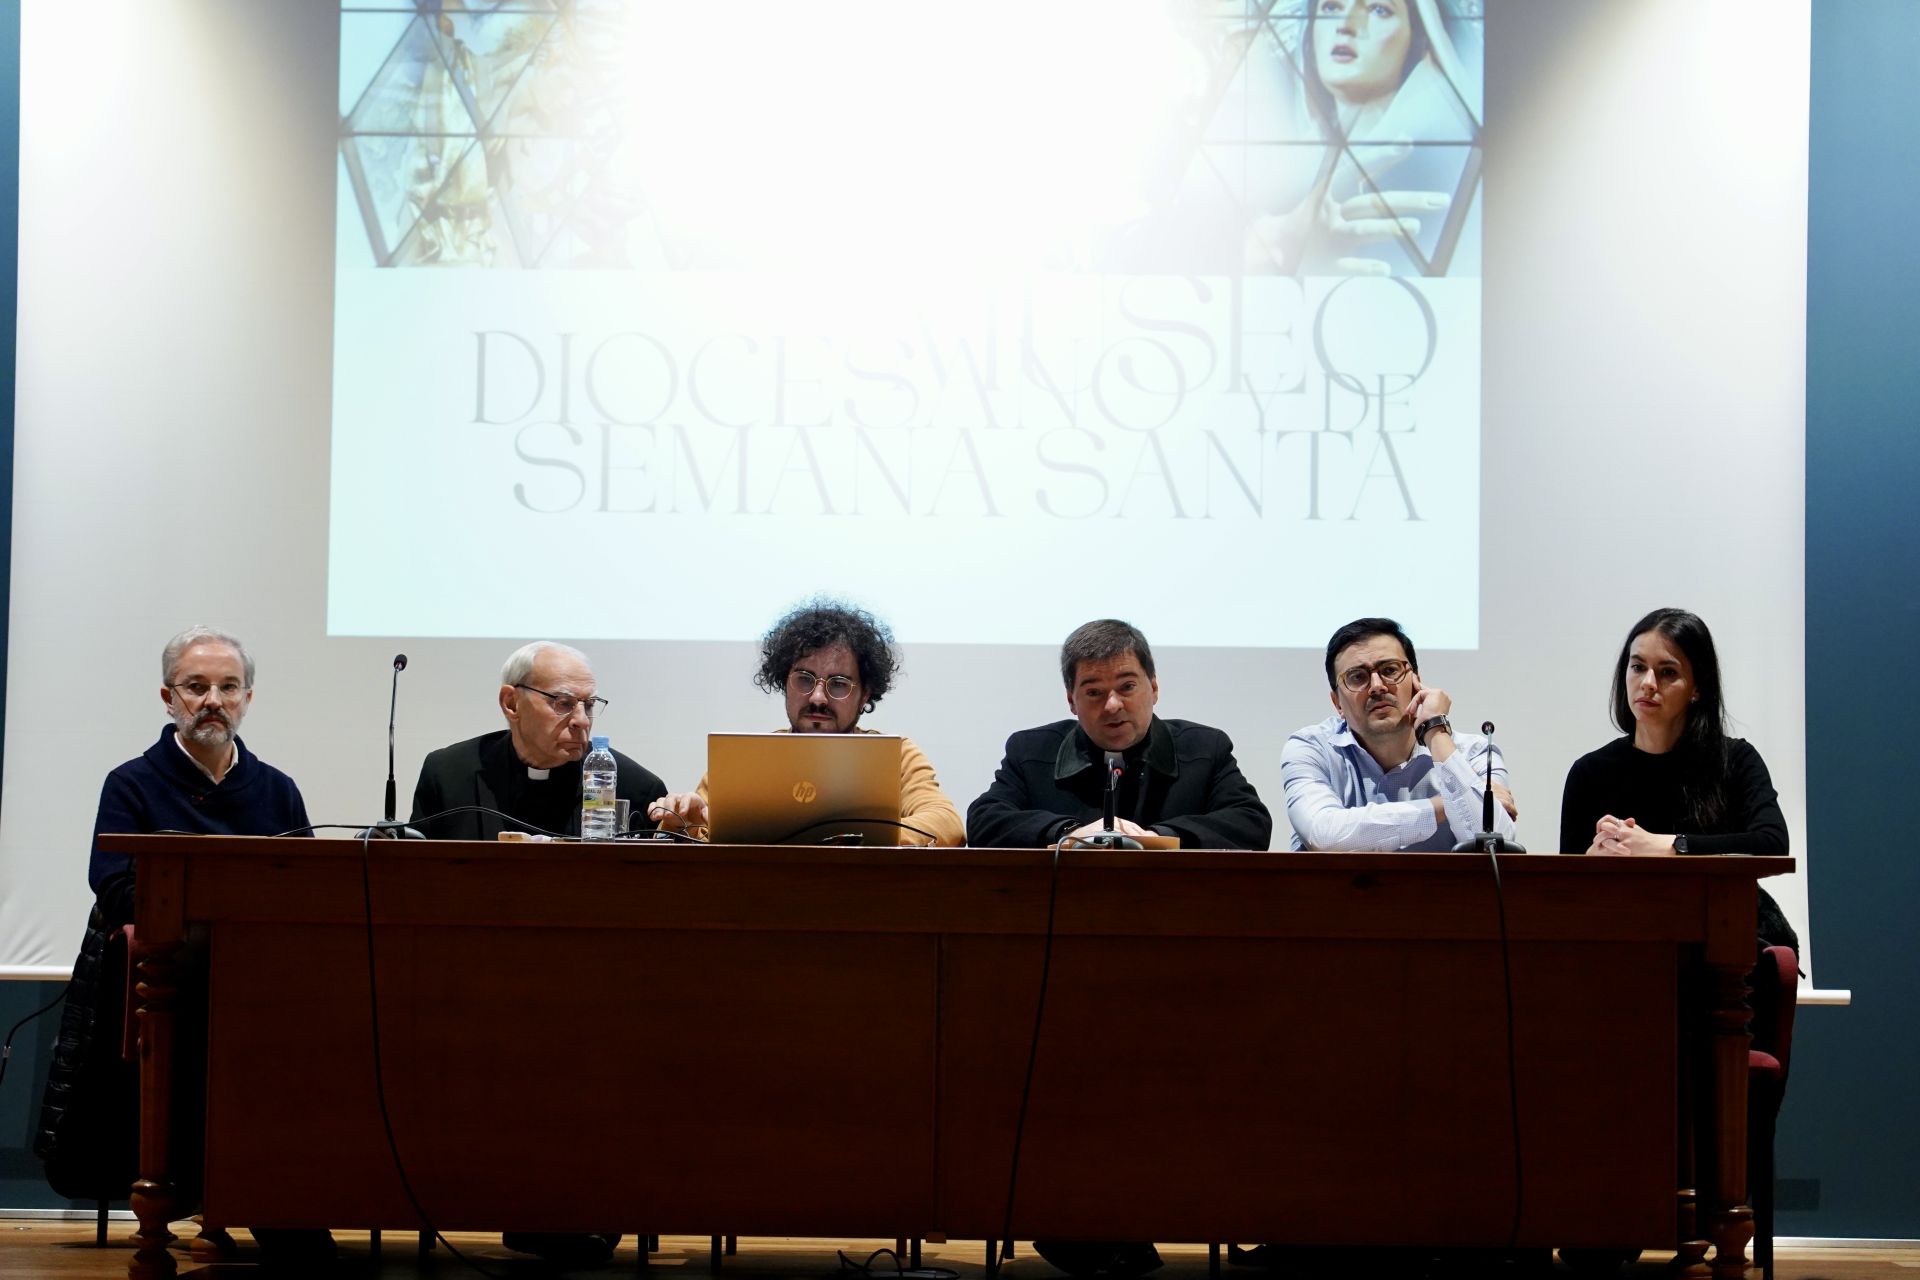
[(389, 828), (392, 707), (1116, 769), (1110, 836), (1487, 840)]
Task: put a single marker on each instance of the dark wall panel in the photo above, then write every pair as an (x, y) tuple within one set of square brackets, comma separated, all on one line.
[(1847, 1144)]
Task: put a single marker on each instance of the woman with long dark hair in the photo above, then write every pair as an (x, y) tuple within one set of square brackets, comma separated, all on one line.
[(1676, 783)]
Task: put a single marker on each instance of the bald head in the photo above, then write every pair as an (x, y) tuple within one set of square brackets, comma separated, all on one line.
[(546, 693)]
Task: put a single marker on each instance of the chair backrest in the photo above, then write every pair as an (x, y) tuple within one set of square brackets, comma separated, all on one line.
[(1785, 972)]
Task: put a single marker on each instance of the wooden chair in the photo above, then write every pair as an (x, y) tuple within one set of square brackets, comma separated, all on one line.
[(1776, 990)]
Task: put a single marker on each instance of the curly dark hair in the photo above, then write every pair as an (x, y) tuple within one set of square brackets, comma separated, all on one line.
[(818, 623)]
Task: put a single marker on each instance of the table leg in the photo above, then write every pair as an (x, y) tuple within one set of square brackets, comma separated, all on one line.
[(1729, 1217), (154, 1194), (1695, 1109)]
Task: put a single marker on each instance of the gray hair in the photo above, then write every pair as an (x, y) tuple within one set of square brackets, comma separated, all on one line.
[(170, 656), (520, 662), (1099, 641)]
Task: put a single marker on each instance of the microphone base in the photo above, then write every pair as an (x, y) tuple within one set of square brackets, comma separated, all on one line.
[(1107, 840), (1489, 842), (390, 830)]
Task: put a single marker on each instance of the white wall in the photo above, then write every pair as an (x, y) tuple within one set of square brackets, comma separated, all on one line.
[(1644, 299)]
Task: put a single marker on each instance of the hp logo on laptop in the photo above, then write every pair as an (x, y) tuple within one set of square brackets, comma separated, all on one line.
[(805, 792)]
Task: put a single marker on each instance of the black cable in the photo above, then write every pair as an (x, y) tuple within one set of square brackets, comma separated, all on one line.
[(1033, 1056), (6, 1048), (657, 833), (379, 1074), (871, 822), (866, 1268), (431, 817), (1491, 843), (848, 1267), (1513, 1067), (477, 808)]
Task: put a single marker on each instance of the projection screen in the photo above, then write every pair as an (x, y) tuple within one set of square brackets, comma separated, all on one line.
[(1044, 282), (991, 319)]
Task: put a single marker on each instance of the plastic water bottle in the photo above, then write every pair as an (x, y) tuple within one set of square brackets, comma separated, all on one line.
[(599, 818)]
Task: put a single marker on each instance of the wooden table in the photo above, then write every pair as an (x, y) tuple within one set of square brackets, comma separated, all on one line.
[(1244, 1047)]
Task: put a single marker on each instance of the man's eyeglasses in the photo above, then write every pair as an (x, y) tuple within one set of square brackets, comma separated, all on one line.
[(565, 704), (839, 688), (1393, 671), (198, 690)]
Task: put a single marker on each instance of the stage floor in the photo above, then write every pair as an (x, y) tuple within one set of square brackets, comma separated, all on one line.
[(66, 1251)]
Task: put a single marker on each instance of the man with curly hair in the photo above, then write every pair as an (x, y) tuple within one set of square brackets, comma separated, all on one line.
[(833, 663)]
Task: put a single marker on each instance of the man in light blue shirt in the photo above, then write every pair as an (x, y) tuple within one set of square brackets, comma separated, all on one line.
[(1387, 772)]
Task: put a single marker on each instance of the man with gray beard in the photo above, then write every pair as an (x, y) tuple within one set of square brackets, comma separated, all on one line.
[(199, 777)]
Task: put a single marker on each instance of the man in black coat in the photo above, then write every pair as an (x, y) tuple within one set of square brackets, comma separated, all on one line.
[(527, 776), (530, 770), (1180, 778)]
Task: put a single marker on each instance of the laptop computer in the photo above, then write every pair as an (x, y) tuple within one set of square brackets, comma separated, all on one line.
[(803, 788)]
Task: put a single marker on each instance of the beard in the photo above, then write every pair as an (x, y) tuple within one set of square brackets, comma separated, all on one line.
[(209, 729)]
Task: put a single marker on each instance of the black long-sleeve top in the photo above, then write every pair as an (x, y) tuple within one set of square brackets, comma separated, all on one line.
[(1621, 780), (1626, 782)]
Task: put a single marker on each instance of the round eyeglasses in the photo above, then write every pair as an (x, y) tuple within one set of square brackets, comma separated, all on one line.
[(1392, 671), (839, 688)]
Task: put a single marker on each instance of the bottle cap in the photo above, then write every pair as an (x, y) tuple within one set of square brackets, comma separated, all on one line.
[(599, 743)]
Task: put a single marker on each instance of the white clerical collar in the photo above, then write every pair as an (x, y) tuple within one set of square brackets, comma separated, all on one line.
[(233, 756), (538, 775)]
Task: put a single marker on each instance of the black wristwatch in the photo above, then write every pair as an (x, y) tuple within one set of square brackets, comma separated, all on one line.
[(1425, 727), (1679, 844)]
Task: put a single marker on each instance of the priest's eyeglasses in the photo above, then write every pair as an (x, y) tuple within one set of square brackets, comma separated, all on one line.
[(1392, 671), (230, 690), (802, 682), (565, 704)]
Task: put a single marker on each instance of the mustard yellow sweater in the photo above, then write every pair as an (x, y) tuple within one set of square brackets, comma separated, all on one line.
[(922, 803)]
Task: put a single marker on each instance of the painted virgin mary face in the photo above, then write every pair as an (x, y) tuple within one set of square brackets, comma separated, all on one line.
[(1360, 47)]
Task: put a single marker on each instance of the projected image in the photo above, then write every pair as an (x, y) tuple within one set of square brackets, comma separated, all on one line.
[(1340, 137), (881, 298), (1336, 136), (481, 136)]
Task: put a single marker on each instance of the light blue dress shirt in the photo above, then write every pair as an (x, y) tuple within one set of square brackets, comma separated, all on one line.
[(1338, 796)]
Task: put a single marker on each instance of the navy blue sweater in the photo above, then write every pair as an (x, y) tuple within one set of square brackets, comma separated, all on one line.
[(161, 790)]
